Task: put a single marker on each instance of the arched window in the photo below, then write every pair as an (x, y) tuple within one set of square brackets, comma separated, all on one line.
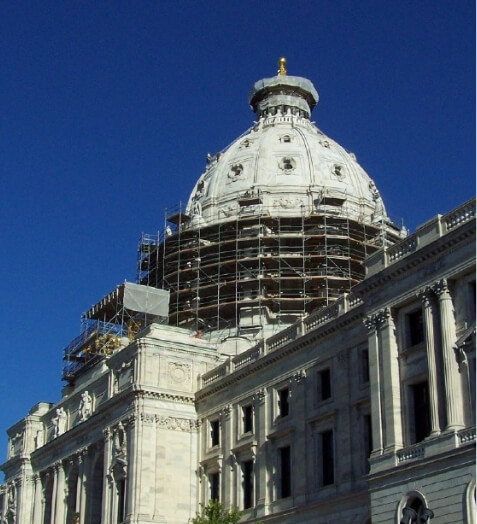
[(413, 510), (470, 502)]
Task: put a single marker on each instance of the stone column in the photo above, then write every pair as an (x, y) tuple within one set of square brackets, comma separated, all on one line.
[(131, 486), (81, 485), (453, 386), (391, 386), (261, 472), (20, 507), (228, 479), (371, 323), (59, 507), (107, 480), (425, 297), (54, 493), (37, 502), (298, 446)]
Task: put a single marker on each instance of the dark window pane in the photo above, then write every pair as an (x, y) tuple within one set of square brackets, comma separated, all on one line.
[(214, 486), (247, 472), (325, 384), (422, 423), (327, 453), (283, 403), (415, 328), (247, 418), (285, 472), (214, 432)]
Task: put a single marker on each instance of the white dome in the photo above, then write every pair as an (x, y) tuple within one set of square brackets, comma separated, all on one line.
[(284, 164)]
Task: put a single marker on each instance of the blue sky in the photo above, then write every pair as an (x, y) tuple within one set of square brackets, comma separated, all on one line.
[(109, 108)]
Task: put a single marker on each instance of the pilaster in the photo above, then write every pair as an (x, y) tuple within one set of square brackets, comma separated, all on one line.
[(261, 472), (453, 385), (37, 516), (425, 297), (59, 486), (391, 388), (371, 323)]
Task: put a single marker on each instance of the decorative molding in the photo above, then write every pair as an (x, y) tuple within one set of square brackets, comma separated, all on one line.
[(259, 396), (178, 424), (299, 375)]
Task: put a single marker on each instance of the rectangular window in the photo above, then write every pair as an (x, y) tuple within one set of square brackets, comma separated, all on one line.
[(121, 486), (283, 402), (247, 483), (420, 422), (364, 361), (327, 458), (214, 433), (247, 418), (214, 486), (284, 457), (367, 440), (324, 384), (414, 328)]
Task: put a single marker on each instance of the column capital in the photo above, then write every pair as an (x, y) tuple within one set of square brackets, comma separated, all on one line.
[(378, 320), (441, 288), (300, 375), (370, 323), (425, 295), (259, 396)]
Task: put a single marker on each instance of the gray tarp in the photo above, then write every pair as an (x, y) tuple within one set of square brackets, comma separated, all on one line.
[(145, 299)]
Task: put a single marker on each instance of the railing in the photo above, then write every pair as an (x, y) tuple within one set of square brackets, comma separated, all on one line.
[(251, 355), (428, 232), (467, 435), (402, 248), (341, 306), (282, 338), (410, 453), (215, 374), (460, 215)]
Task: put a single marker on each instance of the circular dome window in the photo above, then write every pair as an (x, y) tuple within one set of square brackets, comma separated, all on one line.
[(287, 165)]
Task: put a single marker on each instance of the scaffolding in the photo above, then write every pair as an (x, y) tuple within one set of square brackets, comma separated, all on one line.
[(112, 323), (285, 265)]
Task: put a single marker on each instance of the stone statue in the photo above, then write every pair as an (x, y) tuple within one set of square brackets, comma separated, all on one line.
[(59, 422), (39, 440), (86, 406)]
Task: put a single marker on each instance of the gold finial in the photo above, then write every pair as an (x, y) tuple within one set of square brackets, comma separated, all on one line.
[(281, 64)]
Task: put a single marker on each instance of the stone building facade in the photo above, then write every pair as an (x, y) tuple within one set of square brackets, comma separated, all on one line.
[(337, 385)]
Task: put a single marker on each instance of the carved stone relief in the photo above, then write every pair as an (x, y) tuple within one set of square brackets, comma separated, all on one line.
[(178, 373)]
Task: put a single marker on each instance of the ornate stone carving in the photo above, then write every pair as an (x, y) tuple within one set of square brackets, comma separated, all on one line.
[(119, 461), (59, 422), (85, 408), (39, 439), (259, 396), (287, 164), (228, 211), (146, 417), (179, 372), (226, 410), (378, 320), (173, 423), (300, 375), (425, 296), (440, 288), (235, 172), (370, 323), (339, 171)]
